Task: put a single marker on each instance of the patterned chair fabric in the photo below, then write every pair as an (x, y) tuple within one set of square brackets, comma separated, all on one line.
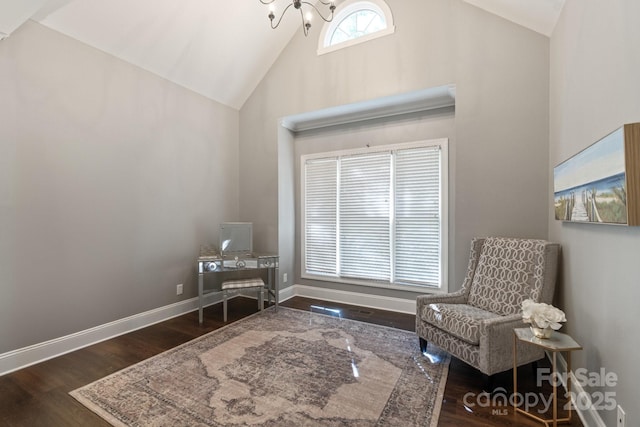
[(509, 271), (460, 320), (476, 323)]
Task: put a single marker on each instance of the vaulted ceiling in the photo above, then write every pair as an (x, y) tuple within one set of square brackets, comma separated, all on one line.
[(218, 48)]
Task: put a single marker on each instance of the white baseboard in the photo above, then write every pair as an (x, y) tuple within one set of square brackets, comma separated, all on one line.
[(345, 297), (355, 298), (287, 293), (27, 356), (589, 416)]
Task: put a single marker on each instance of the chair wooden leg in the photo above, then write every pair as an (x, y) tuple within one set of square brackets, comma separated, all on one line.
[(260, 300), (423, 345), (488, 382)]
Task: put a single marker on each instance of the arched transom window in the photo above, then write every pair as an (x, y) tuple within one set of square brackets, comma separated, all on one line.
[(356, 21)]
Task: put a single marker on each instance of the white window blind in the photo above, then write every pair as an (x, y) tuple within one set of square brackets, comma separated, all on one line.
[(375, 216), (417, 189), (320, 208), (364, 216)]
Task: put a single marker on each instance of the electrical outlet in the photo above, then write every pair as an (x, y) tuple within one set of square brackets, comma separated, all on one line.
[(622, 422), (284, 278), (179, 289)]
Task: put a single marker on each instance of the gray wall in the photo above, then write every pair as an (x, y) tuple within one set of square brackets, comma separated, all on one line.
[(595, 88), (498, 164), (110, 179)]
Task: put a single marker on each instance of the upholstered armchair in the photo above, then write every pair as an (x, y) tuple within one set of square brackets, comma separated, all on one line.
[(475, 324)]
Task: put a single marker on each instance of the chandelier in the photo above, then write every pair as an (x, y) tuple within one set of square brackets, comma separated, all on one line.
[(301, 5)]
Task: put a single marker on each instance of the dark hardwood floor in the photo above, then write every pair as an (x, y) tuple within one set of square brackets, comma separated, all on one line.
[(38, 395)]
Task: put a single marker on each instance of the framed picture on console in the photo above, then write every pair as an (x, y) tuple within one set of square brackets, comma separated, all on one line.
[(601, 184)]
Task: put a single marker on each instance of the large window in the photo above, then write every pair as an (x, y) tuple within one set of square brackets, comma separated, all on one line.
[(376, 215), (356, 21), (357, 24)]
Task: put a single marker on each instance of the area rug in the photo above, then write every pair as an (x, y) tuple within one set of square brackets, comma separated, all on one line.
[(285, 368)]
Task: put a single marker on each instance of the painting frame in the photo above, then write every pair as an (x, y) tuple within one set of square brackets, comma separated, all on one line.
[(601, 184)]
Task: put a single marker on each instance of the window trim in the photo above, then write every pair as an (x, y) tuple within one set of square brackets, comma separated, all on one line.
[(346, 9), (444, 217)]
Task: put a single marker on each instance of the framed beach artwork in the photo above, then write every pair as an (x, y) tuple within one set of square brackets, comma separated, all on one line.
[(601, 184)]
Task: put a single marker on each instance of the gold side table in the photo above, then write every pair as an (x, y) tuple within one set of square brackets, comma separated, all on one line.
[(558, 342)]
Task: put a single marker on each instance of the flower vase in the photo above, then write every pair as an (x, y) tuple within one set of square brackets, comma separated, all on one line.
[(544, 333)]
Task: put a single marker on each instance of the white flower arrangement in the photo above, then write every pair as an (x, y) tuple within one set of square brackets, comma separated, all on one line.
[(542, 315)]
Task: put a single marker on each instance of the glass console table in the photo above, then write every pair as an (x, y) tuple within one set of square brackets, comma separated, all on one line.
[(235, 265)]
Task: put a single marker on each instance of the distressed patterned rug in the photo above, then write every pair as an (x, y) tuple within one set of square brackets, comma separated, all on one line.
[(290, 368)]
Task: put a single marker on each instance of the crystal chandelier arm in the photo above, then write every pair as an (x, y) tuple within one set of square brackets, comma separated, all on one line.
[(332, 7)]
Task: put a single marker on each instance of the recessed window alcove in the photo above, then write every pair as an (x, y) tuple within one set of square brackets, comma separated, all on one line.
[(435, 104)]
